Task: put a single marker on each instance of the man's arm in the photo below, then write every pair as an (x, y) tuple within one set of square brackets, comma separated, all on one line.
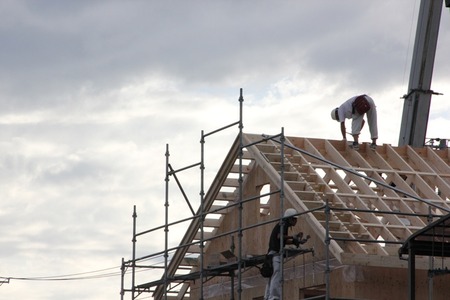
[(288, 239), (343, 131)]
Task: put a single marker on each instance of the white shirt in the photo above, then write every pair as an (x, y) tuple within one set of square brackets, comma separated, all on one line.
[(345, 111)]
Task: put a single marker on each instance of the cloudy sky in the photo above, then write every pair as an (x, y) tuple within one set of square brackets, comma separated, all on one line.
[(92, 92)]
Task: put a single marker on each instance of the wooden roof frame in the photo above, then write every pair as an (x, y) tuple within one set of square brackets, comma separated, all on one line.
[(377, 197)]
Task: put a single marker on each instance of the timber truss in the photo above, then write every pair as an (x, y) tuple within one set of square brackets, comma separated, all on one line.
[(362, 204)]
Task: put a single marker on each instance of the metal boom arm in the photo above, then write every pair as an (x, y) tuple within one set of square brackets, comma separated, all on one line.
[(416, 107)]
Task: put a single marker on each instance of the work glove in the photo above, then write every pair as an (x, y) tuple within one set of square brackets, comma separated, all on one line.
[(297, 239), (302, 241)]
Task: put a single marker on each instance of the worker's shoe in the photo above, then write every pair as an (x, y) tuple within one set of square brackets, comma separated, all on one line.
[(373, 146), (355, 146)]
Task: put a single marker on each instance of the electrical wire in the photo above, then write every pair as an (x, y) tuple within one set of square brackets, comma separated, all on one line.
[(65, 279), (75, 276), (69, 277), (89, 275), (83, 275)]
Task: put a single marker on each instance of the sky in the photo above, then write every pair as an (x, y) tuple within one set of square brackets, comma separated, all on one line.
[(96, 95)]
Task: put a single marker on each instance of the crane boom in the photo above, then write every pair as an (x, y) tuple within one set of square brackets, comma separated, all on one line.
[(417, 102)]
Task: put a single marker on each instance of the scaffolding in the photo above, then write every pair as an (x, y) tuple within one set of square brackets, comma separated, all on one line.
[(197, 237), (198, 217)]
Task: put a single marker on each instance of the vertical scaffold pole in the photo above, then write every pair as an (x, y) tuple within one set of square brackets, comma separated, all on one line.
[(327, 250), (122, 279), (282, 224), (202, 211), (430, 260), (411, 272), (241, 189), (133, 262), (166, 220)]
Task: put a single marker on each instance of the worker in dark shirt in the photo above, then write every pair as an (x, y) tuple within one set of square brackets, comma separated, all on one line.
[(273, 288)]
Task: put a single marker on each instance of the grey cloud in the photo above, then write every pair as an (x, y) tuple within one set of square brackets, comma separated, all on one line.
[(110, 43)]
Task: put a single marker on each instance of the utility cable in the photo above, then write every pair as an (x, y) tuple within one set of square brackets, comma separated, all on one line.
[(77, 276), (72, 277)]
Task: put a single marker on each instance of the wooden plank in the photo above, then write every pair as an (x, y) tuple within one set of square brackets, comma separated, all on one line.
[(231, 182), (220, 209), (440, 166), (413, 154), (245, 169), (387, 261), (424, 188), (189, 262), (438, 163), (395, 160), (215, 223), (264, 147), (226, 196), (206, 235), (297, 185), (194, 249)]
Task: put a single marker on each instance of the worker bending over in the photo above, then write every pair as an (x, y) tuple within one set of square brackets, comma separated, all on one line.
[(355, 108)]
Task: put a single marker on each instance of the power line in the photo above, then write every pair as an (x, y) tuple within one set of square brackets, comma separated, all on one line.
[(89, 275), (64, 279), (70, 277)]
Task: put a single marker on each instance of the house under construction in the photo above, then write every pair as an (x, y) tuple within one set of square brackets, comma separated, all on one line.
[(379, 220)]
